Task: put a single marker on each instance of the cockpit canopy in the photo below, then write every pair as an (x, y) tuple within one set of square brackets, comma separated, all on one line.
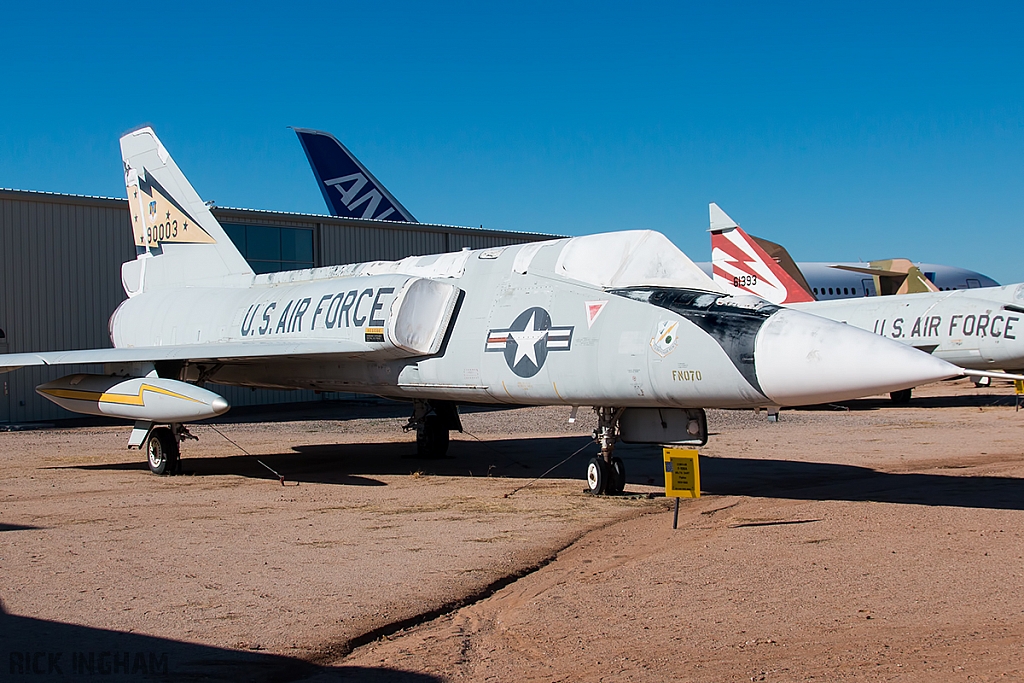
[(611, 260), (631, 258)]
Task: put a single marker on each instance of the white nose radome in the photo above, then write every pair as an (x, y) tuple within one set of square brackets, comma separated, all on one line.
[(803, 359)]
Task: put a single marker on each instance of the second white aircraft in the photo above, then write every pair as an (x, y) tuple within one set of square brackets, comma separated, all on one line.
[(976, 329)]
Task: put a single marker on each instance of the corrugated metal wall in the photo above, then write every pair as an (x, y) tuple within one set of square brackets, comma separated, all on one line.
[(60, 274), (60, 265), (341, 240), (357, 244)]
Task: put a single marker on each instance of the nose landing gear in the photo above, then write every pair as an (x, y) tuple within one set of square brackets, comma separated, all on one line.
[(606, 473)]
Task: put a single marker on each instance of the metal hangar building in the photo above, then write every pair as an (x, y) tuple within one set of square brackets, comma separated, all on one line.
[(60, 274)]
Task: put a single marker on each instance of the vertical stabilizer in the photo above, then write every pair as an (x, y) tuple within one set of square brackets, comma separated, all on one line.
[(349, 188), (178, 242), (916, 282), (741, 266), (780, 255), (900, 276)]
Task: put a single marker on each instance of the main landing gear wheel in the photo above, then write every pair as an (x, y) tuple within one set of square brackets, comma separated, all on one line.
[(432, 438), (901, 398), (597, 476), (616, 477), (162, 451)]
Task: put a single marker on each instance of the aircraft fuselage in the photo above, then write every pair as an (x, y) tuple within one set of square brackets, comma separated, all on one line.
[(959, 326), (532, 338)]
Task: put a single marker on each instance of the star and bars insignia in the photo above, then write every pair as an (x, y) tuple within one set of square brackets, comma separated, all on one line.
[(527, 341)]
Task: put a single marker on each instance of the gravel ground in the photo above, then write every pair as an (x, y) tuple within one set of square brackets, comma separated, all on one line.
[(862, 541)]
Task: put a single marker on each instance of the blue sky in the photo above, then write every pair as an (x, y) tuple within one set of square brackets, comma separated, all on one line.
[(845, 132)]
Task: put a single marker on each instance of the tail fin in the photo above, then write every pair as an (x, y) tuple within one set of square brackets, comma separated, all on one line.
[(178, 242), (780, 255), (741, 266), (894, 276), (916, 282), (342, 180)]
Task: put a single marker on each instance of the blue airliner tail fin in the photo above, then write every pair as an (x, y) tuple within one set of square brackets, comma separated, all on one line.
[(349, 189)]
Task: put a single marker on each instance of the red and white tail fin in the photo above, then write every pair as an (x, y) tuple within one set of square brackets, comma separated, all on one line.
[(740, 266)]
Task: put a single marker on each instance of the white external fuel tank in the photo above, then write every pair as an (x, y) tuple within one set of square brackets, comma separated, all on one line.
[(150, 399)]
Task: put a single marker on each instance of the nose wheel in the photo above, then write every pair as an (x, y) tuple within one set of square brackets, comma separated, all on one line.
[(597, 476), (605, 478)]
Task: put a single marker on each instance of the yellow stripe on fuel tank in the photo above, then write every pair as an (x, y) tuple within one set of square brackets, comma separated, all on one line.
[(117, 399)]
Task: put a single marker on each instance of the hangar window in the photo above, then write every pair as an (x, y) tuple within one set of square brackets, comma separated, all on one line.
[(270, 248)]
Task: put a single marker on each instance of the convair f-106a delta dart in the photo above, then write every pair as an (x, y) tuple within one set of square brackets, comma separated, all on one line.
[(622, 322)]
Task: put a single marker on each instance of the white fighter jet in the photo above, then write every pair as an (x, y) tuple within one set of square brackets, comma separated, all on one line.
[(980, 330), (621, 322)]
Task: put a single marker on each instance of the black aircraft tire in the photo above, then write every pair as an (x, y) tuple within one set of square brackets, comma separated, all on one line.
[(901, 398), (162, 451), (616, 477), (432, 440), (597, 476)]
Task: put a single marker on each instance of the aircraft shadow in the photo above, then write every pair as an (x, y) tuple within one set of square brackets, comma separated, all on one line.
[(38, 649), (528, 458), (827, 481), (17, 527), (355, 464)]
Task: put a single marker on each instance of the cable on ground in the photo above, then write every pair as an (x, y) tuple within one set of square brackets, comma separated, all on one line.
[(277, 474), (553, 468)]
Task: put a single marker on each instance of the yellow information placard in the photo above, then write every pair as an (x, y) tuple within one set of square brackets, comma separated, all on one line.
[(1018, 386), (682, 472)]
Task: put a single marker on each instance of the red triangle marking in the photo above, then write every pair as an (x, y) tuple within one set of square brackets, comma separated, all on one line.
[(594, 309)]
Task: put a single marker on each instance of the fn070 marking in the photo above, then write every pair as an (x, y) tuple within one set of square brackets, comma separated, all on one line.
[(686, 375)]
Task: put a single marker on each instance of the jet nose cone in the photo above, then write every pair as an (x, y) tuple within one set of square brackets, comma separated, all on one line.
[(219, 405), (803, 359)]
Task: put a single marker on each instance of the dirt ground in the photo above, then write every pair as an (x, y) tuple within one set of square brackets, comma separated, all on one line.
[(854, 542)]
